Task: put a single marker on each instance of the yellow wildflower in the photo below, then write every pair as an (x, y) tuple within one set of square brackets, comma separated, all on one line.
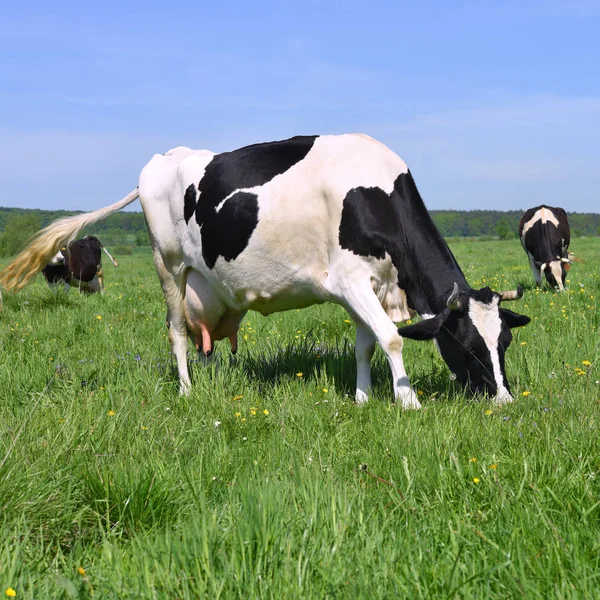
[(299, 374), (347, 321), (523, 343), (81, 571), (265, 412), (476, 480), (99, 317), (526, 393), (238, 415), (111, 413), (493, 466), (489, 411), (252, 411), (10, 592), (473, 459), (586, 363), (325, 390), (237, 398), (420, 393)]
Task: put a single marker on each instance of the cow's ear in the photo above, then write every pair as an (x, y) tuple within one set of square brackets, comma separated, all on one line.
[(424, 330), (513, 319)]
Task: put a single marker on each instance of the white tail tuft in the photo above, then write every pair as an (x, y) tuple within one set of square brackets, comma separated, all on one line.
[(46, 243)]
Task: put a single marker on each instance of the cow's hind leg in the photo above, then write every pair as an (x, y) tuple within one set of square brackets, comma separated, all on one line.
[(172, 286), (364, 306)]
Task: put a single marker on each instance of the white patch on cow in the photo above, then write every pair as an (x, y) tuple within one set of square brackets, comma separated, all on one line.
[(384, 281), (57, 258), (486, 318), (545, 215)]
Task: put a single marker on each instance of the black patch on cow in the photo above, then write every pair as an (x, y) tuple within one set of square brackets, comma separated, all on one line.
[(56, 273), (230, 229), (227, 232), (374, 223), (189, 203)]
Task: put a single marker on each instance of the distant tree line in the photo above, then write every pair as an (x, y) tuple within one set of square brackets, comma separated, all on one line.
[(505, 225), (121, 230), (127, 229)]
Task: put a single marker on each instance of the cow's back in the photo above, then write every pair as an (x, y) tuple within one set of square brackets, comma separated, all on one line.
[(262, 222)]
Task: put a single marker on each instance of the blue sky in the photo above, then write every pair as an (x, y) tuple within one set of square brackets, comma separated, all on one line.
[(493, 105)]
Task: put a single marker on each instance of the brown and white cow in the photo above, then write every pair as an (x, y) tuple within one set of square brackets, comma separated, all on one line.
[(283, 225)]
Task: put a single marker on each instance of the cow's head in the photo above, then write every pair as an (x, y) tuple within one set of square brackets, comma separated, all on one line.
[(58, 258), (473, 333), (556, 272)]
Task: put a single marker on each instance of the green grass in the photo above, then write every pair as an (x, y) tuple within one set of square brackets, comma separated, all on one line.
[(104, 467)]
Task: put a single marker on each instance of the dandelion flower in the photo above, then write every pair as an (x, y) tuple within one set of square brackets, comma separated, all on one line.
[(420, 393), (238, 415), (325, 390), (237, 398), (473, 459), (476, 479), (111, 413), (81, 571), (586, 363), (493, 466), (10, 592), (253, 411), (299, 374), (489, 411), (526, 393), (265, 412), (99, 317), (347, 321), (523, 343)]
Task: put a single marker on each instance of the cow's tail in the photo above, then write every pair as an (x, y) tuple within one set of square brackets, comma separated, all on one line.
[(46, 243)]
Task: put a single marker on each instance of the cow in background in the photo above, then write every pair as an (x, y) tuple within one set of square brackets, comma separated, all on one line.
[(79, 265), (545, 236)]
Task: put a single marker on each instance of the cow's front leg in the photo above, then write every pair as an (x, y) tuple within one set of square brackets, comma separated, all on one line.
[(535, 269), (365, 347), (362, 303)]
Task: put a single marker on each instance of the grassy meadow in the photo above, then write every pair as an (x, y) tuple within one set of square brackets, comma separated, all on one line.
[(268, 482)]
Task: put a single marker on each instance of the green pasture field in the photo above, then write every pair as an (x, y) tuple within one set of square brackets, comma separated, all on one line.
[(267, 481)]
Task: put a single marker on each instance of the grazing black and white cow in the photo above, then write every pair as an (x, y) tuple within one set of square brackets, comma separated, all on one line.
[(79, 265), (287, 224), (545, 236)]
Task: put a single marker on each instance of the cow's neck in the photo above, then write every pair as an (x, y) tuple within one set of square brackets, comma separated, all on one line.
[(427, 269)]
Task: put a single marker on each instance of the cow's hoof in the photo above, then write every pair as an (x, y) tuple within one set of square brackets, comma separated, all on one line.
[(360, 398), (409, 402)]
